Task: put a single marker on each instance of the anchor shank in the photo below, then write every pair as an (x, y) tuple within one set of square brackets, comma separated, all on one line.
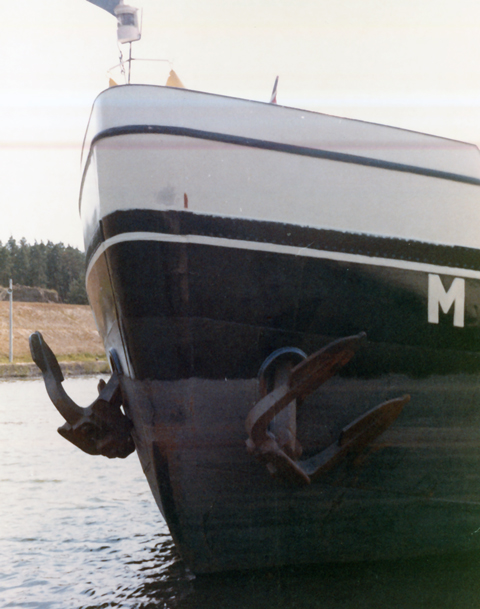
[(45, 359)]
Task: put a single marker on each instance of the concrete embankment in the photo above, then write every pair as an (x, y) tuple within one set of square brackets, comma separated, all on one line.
[(31, 370)]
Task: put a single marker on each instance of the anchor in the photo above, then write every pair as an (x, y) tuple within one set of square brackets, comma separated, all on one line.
[(100, 429), (271, 422)]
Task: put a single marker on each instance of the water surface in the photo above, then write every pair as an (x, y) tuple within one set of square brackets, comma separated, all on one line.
[(80, 532)]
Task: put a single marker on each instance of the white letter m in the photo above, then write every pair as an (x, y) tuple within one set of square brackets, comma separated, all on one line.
[(438, 297)]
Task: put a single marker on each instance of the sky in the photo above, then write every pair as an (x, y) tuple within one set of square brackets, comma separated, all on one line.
[(406, 63)]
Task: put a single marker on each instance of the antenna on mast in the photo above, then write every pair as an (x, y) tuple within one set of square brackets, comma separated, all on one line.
[(128, 29)]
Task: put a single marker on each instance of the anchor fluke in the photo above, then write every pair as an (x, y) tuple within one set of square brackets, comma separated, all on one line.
[(100, 429)]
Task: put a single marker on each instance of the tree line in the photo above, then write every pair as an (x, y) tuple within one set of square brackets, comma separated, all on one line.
[(45, 265)]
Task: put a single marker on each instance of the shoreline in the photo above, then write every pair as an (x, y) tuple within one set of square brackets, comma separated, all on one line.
[(31, 370)]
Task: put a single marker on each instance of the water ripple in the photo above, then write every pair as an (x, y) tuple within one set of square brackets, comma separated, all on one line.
[(81, 532)]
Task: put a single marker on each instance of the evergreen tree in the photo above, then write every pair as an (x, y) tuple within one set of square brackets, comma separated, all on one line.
[(20, 262), (50, 265), (5, 265), (77, 293), (37, 271)]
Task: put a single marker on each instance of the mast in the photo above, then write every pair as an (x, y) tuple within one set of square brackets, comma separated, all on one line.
[(128, 29)]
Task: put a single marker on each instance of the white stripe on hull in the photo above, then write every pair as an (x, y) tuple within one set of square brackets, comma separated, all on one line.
[(282, 249)]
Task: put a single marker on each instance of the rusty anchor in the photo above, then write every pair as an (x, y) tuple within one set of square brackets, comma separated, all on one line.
[(271, 422), (100, 429)]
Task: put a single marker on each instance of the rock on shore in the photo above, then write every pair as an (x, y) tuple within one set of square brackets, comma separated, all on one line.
[(23, 293)]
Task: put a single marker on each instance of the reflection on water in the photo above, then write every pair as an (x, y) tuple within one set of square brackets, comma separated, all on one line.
[(83, 532)]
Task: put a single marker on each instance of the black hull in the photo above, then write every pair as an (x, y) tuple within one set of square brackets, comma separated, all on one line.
[(247, 303), (194, 321), (415, 491)]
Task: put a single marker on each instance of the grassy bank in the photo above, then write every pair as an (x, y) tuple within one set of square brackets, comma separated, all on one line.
[(69, 330)]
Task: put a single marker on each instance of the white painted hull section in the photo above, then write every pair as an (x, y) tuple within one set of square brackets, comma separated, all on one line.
[(149, 105), (160, 172), (220, 179)]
